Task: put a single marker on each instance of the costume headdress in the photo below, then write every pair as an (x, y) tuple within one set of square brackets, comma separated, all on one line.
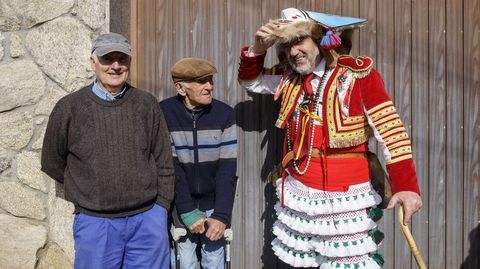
[(296, 24)]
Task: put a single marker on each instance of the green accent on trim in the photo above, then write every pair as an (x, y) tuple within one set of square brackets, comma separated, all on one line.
[(378, 259), (191, 217), (375, 213), (377, 236)]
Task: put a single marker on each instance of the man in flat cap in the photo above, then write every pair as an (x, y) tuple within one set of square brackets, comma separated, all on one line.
[(332, 104), (204, 145), (108, 145)]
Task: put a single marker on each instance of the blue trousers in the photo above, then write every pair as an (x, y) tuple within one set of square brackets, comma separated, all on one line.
[(138, 241)]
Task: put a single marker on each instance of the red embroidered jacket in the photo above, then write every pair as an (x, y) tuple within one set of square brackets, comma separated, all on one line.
[(355, 107)]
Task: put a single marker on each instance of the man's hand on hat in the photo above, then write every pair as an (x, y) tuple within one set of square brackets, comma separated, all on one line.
[(264, 38)]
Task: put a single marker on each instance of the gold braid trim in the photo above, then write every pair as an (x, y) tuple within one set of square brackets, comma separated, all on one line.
[(291, 89), (360, 66)]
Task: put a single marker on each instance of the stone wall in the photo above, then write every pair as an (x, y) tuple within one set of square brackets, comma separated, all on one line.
[(44, 52)]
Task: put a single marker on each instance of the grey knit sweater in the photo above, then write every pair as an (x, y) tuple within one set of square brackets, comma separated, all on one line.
[(113, 157)]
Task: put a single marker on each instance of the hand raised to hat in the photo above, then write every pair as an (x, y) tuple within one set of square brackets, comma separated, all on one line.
[(264, 38)]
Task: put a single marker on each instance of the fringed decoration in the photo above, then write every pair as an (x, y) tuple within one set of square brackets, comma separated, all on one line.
[(378, 259), (375, 213), (377, 236), (315, 202), (296, 258), (330, 225), (330, 40)]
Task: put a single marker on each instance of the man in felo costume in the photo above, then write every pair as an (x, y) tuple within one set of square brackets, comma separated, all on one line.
[(331, 105)]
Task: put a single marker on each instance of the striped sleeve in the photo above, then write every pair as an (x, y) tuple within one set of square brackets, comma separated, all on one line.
[(390, 132), (227, 169)]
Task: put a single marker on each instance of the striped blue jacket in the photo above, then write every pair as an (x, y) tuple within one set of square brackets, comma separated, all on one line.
[(204, 146)]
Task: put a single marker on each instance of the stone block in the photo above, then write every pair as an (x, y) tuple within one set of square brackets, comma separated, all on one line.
[(62, 49), (22, 84), (21, 201), (20, 241), (16, 131)]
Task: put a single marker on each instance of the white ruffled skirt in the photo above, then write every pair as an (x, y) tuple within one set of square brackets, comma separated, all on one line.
[(327, 230)]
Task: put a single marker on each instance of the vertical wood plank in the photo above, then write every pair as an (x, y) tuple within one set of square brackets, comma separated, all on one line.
[(437, 133), (367, 38), (150, 49), (182, 29), (420, 114), (164, 33), (305, 5), (402, 78), (252, 165), (134, 29), (319, 6), (454, 153), (217, 48), (201, 29), (333, 7), (385, 65), (351, 8), (471, 77), (146, 48), (236, 25)]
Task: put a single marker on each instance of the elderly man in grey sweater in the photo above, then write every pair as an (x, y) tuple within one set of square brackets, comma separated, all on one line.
[(108, 145)]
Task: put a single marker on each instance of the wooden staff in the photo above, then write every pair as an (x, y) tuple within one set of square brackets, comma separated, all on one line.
[(410, 240)]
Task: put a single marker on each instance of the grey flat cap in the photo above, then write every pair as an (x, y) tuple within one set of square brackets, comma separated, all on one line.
[(111, 42)]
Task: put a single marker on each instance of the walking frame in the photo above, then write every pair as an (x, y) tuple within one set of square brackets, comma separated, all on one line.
[(178, 231)]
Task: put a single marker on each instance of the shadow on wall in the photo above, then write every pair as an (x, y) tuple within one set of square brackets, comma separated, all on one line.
[(259, 115), (473, 259)]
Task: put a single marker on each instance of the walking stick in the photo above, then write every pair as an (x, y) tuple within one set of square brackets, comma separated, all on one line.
[(410, 240)]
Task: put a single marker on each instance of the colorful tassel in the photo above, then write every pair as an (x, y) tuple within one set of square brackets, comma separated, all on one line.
[(330, 40), (378, 259), (375, 213), (377, 236)]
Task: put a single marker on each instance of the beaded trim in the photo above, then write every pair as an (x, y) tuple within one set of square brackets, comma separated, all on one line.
[(318, 98)]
